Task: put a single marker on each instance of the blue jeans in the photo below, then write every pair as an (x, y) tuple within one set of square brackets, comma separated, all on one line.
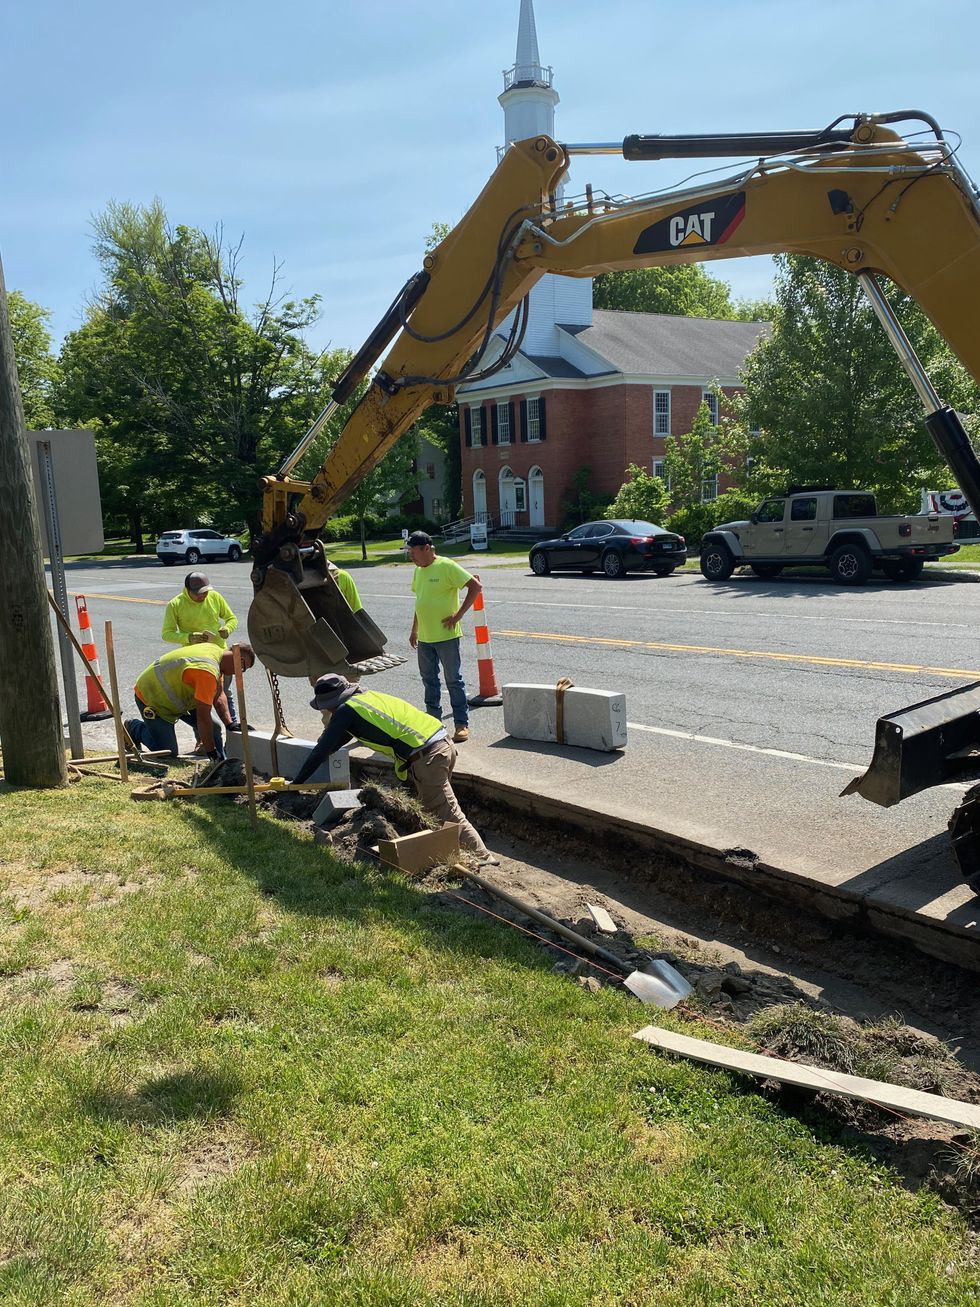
[(445, 652), (153, 733)]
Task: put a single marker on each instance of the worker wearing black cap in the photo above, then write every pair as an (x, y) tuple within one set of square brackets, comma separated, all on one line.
[(417, 742), (199, 615)]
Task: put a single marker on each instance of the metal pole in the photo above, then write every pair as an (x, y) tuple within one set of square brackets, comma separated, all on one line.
[(900, 342), (60, 588), (290, 461)]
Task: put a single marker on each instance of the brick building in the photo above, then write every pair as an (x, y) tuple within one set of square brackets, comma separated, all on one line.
[(590, 388)]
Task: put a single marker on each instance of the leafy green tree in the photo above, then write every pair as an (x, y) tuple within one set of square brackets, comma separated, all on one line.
[(685, 290), (833, 404), (37, 367), (197, 393), (642, 497), (581, 503)]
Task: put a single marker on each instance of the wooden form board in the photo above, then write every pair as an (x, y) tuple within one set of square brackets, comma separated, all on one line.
[(421, 851), (897, 1097)]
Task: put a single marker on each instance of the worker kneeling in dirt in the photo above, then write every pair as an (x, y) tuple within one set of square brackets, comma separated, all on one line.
[(417, 742), (184, 685)]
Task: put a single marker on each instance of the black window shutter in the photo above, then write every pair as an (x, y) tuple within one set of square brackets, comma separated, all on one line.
[(468, 428), (542, 426), (524, 419), (513, 421), (494, 433)]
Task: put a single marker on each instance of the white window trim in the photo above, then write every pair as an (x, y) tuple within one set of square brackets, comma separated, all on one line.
[(656, 429), (536, 400), (503, 412), (706, 498), (660, 470), (476, 426), (711, 399)]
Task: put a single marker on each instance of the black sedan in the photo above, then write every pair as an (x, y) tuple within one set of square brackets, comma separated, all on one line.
[(617, 547)]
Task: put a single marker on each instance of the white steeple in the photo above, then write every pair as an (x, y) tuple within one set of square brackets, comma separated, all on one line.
[(528, 101)]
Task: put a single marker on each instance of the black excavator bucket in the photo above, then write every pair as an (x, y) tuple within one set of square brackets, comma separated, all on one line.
[(300, 624), (923, 745)]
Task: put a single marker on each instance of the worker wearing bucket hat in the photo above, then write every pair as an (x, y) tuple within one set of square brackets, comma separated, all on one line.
[(417, 743)]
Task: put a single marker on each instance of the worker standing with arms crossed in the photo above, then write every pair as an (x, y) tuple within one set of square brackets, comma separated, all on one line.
[(436, 632)]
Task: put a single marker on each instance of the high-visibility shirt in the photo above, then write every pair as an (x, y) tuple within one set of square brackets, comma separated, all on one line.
[(181, 679), (185, 615), (382, 722), (346, 586), (436, 590)]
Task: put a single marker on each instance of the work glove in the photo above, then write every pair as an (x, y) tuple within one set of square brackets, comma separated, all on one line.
[(200, 637), (223, 632)]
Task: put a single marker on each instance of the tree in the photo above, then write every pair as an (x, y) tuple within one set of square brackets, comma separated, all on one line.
[(580, 502), (833, 403), (642, 497), (196, 393), (439, 424), (37, 367), (684, 290)]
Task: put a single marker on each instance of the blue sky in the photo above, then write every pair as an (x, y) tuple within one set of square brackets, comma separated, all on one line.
[(333, 135)]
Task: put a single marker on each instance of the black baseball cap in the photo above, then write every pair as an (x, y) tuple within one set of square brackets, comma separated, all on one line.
[(417, 539), (197, 583)]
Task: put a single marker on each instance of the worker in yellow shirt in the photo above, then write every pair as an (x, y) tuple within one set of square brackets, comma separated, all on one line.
[(435, 634), (199, 615)]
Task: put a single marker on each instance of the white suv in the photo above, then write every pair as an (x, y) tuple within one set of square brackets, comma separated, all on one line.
[(193, 546)]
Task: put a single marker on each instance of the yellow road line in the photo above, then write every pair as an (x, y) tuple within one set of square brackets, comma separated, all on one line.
[(119, 599), (811, 659)]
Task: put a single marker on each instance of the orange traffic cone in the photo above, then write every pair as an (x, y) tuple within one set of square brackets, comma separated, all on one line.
[(489, 695), (97, 709)]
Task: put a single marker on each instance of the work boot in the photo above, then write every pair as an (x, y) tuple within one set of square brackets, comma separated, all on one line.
[(462, 735)]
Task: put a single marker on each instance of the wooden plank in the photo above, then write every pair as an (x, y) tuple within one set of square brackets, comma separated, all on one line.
[(602, 919), (422, 850), (246, 747), (121, 737), (897, 1097)]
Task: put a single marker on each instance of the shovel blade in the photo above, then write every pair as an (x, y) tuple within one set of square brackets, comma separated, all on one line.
[(919, 746), (658, 985)]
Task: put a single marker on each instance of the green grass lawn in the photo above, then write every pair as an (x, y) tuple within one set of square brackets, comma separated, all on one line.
[(236, 1071)]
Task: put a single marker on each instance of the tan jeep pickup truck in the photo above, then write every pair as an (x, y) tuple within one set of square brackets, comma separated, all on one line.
[(836, 529)]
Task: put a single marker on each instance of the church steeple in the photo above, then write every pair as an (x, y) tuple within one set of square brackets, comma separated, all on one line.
[(528, 101), (529, 97)]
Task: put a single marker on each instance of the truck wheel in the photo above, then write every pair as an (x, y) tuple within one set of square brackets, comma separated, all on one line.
[(717, 563), (234, 553), (612, 565), (903, 569), (192, 556), (850, 564), (767, 570)]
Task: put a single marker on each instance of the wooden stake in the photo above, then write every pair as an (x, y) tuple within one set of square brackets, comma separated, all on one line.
[(203, 791), (246, 745), (110, 654)]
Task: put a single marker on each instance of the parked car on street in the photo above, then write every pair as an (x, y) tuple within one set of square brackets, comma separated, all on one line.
[(617, 546), (193, 546)]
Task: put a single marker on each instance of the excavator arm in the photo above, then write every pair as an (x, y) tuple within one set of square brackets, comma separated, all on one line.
[(856, 194)]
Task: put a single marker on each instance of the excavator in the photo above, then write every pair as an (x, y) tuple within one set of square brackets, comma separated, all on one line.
[(881, 195)]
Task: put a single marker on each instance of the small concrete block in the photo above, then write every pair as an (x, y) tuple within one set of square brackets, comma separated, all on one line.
[(334, 805), (292, 753), (423, 850), (594, 719), (602, 919)]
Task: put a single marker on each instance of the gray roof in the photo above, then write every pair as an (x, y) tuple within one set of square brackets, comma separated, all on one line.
[(666, 345), (554, 367)]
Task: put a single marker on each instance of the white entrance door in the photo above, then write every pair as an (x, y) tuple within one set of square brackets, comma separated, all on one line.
[(535, 483), (479, 496), (508, 497)]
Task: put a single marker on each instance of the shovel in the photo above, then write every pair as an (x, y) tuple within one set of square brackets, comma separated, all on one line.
[(658, 984)]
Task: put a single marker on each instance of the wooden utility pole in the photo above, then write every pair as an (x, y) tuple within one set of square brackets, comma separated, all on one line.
[(30, 713)]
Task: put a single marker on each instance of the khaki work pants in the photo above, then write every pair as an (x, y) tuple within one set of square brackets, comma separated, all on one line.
[(432, 773)]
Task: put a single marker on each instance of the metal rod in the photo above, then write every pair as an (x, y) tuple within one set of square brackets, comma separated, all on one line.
[(292, 459), (543, 919), (900, 342), (55, 554), (246, 743), (89, 667), (110, 653)]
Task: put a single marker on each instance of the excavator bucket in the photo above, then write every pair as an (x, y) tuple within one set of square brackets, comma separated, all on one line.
[(308, 629), (923, 745)]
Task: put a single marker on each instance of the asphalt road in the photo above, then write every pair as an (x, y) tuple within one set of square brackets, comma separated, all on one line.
[(750, 703)]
